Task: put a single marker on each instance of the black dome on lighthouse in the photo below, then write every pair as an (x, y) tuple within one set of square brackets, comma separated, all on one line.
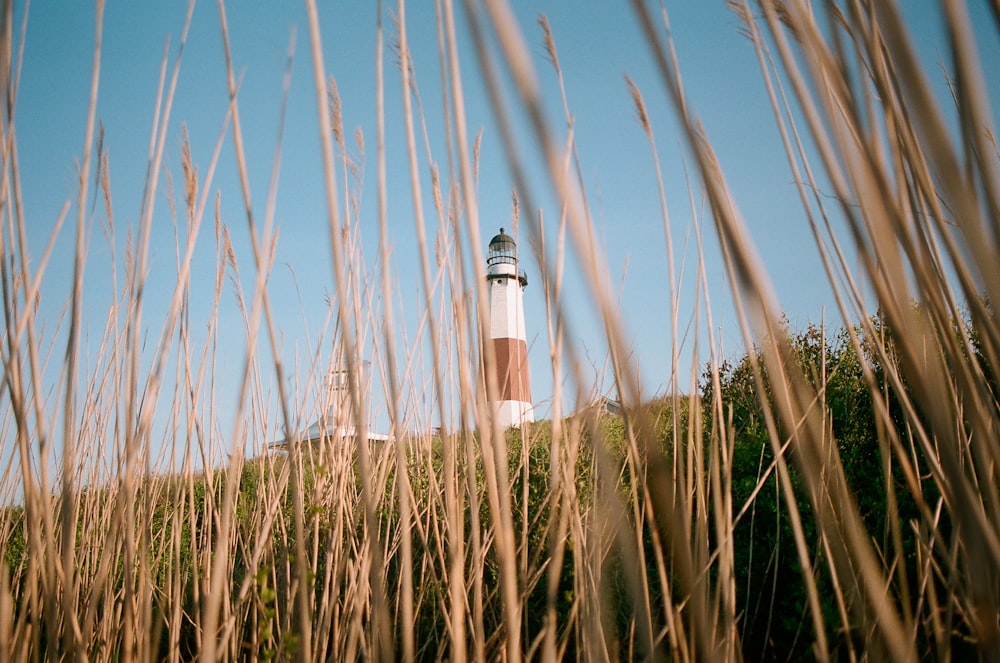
[(502, 238)]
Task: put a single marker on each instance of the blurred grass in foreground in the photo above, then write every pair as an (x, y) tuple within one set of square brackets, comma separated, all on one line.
[(831, 493)]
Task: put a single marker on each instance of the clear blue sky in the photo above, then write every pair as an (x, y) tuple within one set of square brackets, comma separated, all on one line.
[(598, 44)]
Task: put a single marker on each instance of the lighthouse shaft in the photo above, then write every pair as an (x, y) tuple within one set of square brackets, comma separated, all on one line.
[(508, 336), (507, 333)]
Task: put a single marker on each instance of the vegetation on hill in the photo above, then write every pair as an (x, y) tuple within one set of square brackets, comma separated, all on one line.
[(770, 599)]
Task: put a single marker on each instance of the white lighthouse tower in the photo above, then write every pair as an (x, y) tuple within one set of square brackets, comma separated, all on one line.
[(506, 287)]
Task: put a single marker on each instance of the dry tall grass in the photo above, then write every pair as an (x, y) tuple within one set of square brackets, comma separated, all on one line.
[(588, 537)]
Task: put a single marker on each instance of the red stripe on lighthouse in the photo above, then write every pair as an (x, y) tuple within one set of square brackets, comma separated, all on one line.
[(512, 369)]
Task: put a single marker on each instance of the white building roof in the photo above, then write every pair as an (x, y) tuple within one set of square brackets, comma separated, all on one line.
[(329, 431)]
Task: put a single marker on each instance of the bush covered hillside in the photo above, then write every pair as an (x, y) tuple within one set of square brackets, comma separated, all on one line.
[(580, 559)]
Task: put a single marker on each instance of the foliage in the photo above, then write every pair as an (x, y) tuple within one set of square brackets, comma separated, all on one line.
[(768, 573)]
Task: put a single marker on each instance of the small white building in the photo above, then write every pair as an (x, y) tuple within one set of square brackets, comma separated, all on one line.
[(336, 423)]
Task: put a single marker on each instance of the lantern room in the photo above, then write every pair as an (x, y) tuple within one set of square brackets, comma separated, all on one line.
[(501, 259)]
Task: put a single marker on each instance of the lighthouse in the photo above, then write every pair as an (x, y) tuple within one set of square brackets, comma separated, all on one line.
[(505, 285)]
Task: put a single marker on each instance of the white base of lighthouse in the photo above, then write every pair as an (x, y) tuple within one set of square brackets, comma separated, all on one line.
[(511, 413)]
